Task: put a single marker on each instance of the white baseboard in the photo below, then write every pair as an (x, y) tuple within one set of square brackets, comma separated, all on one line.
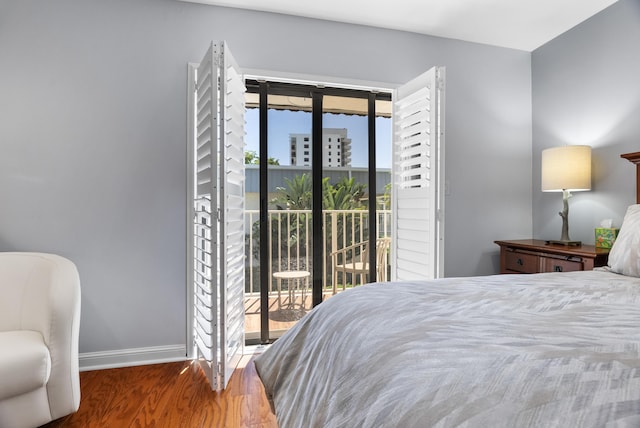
[(132, 357)]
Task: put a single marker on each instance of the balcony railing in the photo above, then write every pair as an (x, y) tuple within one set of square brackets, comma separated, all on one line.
[(290, 233)]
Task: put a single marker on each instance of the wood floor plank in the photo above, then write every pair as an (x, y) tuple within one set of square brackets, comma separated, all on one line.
[(157, 399), (169, 395)]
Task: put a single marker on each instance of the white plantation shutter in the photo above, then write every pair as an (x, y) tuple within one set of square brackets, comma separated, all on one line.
[(205, 221), (418, 162), (232, 213), (218, 253)]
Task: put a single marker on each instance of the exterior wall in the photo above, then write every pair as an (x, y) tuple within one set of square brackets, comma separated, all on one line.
[(301, 149)]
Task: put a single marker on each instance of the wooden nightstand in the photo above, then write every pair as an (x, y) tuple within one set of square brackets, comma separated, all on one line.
[(535, 256)]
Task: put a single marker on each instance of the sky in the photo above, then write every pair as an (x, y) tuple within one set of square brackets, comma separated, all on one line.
[(285, 122)]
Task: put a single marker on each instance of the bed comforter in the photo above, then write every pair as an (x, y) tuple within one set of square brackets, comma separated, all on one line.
[(544, 350)]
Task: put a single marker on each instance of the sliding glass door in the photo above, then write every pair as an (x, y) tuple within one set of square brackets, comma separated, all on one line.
[(289, 216), (313, 188), (345, 186)]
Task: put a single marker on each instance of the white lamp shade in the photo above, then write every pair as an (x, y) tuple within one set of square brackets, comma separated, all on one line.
[(566, 168)]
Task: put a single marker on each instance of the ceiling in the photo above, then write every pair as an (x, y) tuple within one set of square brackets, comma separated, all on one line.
[(518, 24)]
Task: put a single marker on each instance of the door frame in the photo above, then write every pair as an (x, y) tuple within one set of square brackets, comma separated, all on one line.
[(259, 75), (264, 86)]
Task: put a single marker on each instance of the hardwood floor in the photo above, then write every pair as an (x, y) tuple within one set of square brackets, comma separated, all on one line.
[(172, 395), (278, 321)]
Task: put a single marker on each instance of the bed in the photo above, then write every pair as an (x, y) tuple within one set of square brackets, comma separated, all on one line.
[(542, 350)]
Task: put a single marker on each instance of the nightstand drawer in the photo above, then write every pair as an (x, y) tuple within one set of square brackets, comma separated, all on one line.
[(533, 256), (559, 265), (521, 262)]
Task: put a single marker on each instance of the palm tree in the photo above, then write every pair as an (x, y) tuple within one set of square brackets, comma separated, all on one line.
[(289, 231), (252, 158), (296, 196), (345, 195)]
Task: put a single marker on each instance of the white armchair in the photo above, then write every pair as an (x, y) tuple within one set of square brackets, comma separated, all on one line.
[(39, 326)]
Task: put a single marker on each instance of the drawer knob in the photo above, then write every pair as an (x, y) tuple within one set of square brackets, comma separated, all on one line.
[(557, 268), (519, 262)]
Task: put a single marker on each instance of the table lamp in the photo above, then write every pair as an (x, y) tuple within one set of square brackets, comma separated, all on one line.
[(566, 169)]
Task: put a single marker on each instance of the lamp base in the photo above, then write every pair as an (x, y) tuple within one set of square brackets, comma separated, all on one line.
[(567, 243)]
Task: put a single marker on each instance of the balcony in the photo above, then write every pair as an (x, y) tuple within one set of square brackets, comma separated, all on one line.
[(344, 253)]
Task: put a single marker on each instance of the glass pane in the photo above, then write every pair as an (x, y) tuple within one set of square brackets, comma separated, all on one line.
[(252, 223), (290, 196), (345, 192), (345, 203), (383, 189)]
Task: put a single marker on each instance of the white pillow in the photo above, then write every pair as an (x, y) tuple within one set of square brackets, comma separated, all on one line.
[(624, 257)]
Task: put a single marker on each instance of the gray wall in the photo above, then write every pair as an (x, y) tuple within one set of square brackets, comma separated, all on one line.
[(93, 140), (586, 90)]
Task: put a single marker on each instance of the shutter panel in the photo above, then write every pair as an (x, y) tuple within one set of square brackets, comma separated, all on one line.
[(205, 221), (218, 253), (418, 162), (232, 258)]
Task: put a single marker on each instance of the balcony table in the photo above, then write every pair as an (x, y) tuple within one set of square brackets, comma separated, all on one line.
[(292, 277)]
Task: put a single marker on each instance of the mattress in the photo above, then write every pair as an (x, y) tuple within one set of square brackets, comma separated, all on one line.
[(543, 350)]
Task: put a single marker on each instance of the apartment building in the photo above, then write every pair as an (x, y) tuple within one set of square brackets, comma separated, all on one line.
[(336, 148)]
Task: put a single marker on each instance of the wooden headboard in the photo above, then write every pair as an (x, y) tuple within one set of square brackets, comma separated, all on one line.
[(635, 158)]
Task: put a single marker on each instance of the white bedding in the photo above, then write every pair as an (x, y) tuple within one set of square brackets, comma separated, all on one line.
[(544, 350)]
